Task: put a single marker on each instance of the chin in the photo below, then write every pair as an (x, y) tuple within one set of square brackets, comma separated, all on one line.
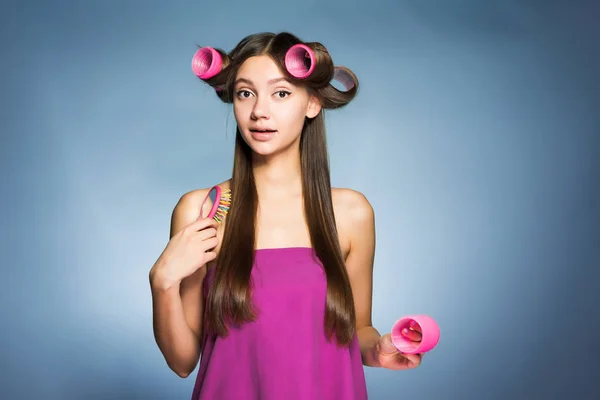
[(261, 145), (262, 149)]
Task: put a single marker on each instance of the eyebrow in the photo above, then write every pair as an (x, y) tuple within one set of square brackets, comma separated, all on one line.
[(270, 81)]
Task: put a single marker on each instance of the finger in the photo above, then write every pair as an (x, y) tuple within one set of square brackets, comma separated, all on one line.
[(412, 359), (207, 233), (416, 327), (209, 256), (412, 335), (386, 346), (209, 244), (199, 224)]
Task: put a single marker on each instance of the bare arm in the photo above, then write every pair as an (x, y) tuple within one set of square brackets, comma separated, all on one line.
[(376, 350), (178, 305), (359, 264)]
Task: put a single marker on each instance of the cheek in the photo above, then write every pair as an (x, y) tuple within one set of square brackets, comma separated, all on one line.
[(243, 108), (293, 115), (238, 110)]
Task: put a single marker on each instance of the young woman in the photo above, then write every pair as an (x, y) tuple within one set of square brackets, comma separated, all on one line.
[(276, 293)]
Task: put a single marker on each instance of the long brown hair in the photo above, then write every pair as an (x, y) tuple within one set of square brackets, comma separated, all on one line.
[(229, 299)]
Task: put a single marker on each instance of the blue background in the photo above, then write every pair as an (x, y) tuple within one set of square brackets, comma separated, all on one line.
[(475, 136)]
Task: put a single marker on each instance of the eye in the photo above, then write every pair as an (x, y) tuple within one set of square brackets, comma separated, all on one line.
[(283, 94), (243, 94)]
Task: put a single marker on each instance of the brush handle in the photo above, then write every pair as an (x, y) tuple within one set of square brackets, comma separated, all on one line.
[(430, 332), (215, 205)]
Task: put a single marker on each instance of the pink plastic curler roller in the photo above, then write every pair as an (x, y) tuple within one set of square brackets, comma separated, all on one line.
[(429, 329), (340, 75), (215, 201), (206, 63), (295, 61)]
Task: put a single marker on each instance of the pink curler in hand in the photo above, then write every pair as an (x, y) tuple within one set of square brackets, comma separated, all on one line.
[(206, 63), (430, 332), (295, 61)]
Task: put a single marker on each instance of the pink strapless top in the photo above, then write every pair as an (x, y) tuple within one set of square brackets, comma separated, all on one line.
[(284, 354)]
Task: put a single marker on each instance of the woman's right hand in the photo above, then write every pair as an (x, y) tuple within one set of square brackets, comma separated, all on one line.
[(188, 250)]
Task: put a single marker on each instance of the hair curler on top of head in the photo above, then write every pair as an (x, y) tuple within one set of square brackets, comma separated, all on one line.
[(308, 64), (296, 59), (206, 63), (342, 75)]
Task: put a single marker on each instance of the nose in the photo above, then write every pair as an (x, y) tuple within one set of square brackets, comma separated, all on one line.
[(260, 109)]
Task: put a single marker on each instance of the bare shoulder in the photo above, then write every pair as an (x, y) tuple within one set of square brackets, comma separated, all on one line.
[(351, 206), (189, 206), (354, 217)]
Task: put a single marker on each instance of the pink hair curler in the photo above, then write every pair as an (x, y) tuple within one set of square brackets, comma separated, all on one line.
[(342, 76), (430, 332), (295, 61), (215, 201), (206, 63)]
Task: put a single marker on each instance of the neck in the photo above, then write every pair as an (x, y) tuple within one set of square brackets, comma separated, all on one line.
[(278, 175)]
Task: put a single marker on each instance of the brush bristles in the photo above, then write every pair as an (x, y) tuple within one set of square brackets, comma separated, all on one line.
[(224, 204)]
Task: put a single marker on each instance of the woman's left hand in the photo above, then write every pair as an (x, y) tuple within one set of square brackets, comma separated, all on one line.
[(391, 358)]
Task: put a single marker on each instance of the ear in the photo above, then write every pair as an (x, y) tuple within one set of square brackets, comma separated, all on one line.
[(314, 107)]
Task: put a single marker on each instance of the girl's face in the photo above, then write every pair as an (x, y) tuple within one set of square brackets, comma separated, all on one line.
[(269, 110)]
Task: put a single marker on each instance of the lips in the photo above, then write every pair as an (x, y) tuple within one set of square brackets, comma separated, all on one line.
[(261, 130), (262, 134)]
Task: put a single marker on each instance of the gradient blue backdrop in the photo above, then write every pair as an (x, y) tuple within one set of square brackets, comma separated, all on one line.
[(475, 137)]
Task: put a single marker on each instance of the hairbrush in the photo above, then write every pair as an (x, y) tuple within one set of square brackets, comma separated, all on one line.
[(220, 203)]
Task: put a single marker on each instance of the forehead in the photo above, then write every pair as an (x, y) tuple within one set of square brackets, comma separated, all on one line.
[(259, 69)]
